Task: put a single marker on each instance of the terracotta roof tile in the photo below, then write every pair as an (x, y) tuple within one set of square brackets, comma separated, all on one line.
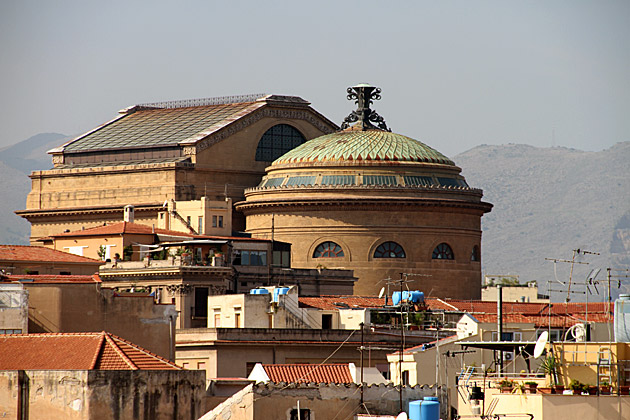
[(41, 254), (76, 351), (52, 278), (120, 228), (303, 373), (340, 302)]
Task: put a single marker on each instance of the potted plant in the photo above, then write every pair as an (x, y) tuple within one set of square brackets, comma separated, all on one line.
[(604, 387), (578, 387), (549, 366), (506, 386), (530, 386)]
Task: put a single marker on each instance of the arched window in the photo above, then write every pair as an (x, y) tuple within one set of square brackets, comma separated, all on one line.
[(328, 250), (278, 140), (474, 256), (389, 250), (443, 252)]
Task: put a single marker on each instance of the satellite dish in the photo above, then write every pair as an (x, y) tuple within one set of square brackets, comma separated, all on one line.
[(380, 294), (402, 416), (540, 344)]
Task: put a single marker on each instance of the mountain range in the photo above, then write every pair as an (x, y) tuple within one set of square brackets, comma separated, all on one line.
[(548, 203)]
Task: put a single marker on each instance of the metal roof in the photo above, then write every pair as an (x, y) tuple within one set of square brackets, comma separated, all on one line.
[(352, 145)]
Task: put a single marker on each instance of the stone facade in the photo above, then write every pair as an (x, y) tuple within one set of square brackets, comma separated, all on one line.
[(102, 394), (218, 162)]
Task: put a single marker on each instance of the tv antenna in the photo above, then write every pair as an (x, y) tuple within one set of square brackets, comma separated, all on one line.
[(576, 252)]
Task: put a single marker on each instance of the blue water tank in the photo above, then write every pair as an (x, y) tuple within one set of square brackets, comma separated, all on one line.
[(259, 292), (279, 291), (396, 298), (416, 296), (622, 319), (430, 409), (414, 409)]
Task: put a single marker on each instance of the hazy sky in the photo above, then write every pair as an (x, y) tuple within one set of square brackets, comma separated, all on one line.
[(454, 74)]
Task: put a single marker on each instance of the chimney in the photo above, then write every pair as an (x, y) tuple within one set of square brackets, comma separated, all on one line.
[(128, 213)]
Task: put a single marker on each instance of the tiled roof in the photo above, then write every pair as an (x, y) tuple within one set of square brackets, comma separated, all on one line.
[(120, 228), (76, 351), (340, 302), (562, 314), (301, 373), (53, 278), (357, 146), (142, 127), (41, 254)]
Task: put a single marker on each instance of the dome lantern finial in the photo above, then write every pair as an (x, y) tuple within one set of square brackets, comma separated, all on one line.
[(364, 95)]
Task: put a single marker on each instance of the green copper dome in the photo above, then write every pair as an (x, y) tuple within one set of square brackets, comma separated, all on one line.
[(372, 145)]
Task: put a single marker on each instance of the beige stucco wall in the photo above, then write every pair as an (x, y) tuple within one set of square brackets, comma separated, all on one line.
[(555, 407), (513, 294), (324, 401), (104, 395), (87, 307)]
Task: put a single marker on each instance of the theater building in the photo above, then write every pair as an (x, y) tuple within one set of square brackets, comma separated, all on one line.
[(376, 202)]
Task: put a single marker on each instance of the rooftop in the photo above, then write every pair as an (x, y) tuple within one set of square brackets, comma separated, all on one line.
[(26, 253), (305, 373), (172, 124), (361, 147), (76, 351), (51, 278)]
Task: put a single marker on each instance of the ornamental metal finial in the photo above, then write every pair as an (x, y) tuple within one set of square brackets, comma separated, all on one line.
[(364, 95)]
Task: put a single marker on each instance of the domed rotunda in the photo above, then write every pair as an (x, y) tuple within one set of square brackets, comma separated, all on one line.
[(379, 203)]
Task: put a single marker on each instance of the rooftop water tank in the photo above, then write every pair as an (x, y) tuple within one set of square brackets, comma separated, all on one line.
[(259, 292), (622, 319), (279, 291), (396, 298), (430, 409)]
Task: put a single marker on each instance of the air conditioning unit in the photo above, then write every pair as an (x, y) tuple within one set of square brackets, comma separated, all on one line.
[(508, 356)]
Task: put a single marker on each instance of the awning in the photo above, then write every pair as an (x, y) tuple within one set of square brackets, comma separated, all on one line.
[(515, 346), (195, 242)]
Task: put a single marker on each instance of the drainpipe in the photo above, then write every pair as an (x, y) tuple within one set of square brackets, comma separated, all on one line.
[(500, 326)]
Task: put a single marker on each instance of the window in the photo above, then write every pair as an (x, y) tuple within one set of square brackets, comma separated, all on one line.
[(214, 221), (10, 332), (443, 252), (217, 318), (274, 182), (338, 180), (305, 414), (405, 377), (244, 257), (276, 141), (379, 180), (220, 221), (237, 320), (200, 225), (389, 250), (508, 336), (328, 250), (301, 180), (201, 302), (474, 256), (326, 321), (249, 366), (418, 181)]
